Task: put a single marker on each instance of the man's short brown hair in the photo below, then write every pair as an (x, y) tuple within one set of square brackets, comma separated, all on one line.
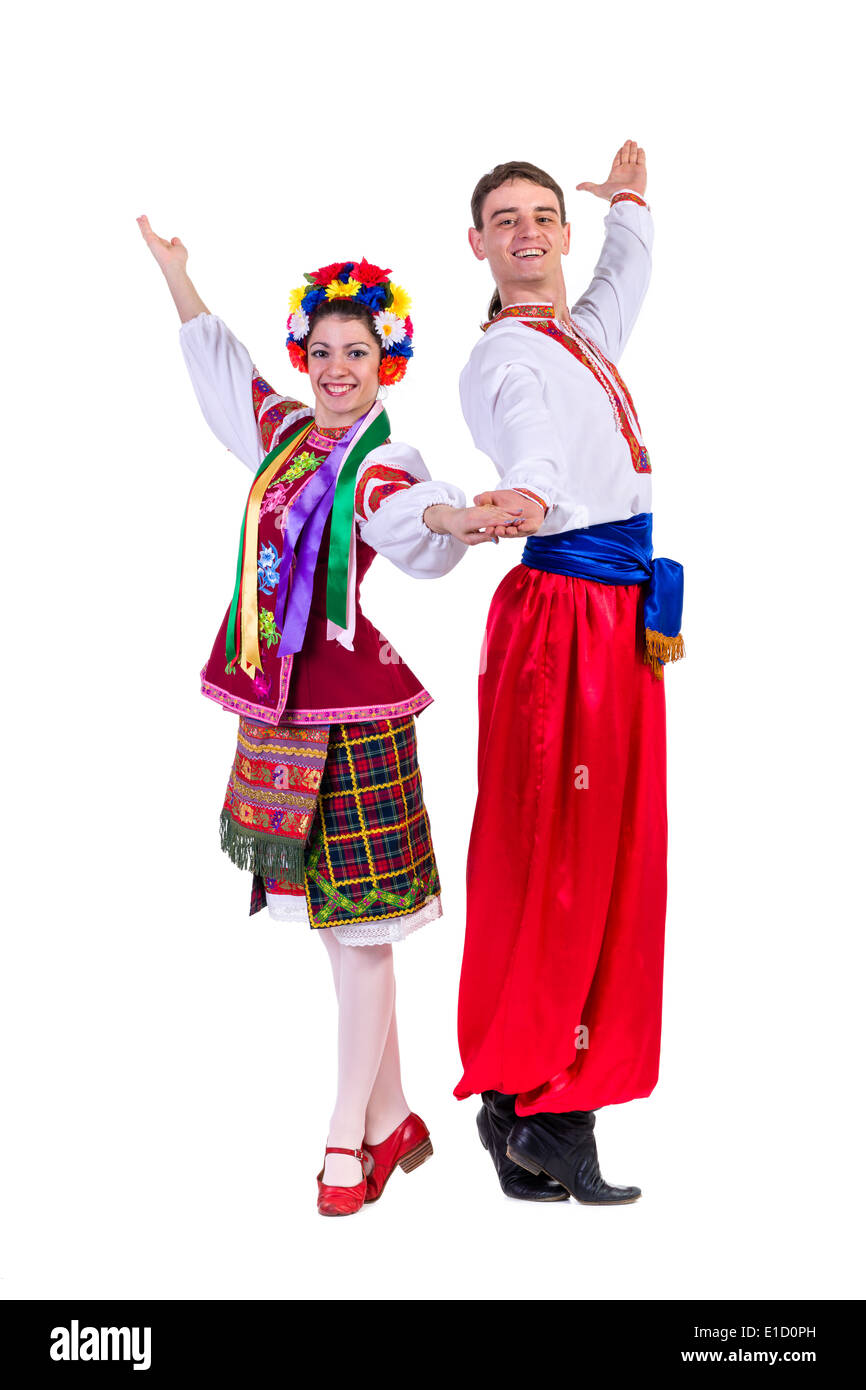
[(505, 173)]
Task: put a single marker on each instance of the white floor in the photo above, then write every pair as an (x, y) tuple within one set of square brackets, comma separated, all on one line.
[(168, 1126)]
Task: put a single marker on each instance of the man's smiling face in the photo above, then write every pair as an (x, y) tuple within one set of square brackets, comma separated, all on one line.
[(524, 239)]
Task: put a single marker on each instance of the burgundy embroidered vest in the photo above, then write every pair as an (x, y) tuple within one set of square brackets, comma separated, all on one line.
[(323, 683)]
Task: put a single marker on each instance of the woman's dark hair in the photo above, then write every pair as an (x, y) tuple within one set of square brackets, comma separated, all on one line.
[(505, 173), (345, 309)]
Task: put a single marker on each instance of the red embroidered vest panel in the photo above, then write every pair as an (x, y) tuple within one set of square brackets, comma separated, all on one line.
[(323, 682)]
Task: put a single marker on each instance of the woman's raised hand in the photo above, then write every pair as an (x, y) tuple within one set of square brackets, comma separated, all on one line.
[(169, 255)]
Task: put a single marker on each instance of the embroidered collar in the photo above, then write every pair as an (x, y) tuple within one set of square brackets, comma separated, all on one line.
[(537, 314), (521, 311), (323, 435)]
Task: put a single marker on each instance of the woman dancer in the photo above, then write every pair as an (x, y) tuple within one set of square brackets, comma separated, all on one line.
[(324, 802)]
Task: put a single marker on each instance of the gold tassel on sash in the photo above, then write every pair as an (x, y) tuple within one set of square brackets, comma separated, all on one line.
[(250, 658), (660, 649)]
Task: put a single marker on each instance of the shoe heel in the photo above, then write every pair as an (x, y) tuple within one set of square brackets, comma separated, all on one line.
[(417, 1156), (523, 1162)]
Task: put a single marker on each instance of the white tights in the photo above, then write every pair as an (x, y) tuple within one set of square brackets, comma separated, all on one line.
[(370, 1100)]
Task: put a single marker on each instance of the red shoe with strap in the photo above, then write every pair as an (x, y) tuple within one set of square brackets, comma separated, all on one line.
[(409, 1145), (342, 1201)]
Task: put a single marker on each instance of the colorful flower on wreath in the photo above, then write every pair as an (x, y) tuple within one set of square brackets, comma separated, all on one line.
[(297, 356), (269, 567), (374, 296), (369, 274), (403, 349), (299, 325), (328, 272), (392, 370), (400, 302), (295, 298), (267, 627), (391, 329), (342, 289)]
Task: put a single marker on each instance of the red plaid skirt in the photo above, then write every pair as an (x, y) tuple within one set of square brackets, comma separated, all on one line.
[(369, 855)]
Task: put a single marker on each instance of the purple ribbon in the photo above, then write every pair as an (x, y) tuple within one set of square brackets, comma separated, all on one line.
[(304, 524)]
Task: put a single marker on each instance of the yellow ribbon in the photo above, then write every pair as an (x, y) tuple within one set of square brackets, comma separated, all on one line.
[(250, 658)]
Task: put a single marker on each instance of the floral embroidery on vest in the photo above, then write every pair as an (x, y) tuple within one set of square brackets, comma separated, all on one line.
[(301, 464), (269, 568), (268, 628)]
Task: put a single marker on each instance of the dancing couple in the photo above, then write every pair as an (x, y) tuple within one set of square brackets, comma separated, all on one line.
[(560, 993)]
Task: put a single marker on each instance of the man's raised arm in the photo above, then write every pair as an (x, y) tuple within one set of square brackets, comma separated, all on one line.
[(609, 306)]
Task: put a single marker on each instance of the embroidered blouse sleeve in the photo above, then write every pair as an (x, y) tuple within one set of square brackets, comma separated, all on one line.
[(393, 491), (243, 411), (609, 307)]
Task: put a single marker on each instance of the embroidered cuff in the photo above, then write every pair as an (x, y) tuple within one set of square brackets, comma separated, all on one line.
[(533, 497), (627, 195), (528, 488)]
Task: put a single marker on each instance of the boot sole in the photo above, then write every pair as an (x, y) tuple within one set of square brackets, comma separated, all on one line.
[(552, 1198), (536, 1169)]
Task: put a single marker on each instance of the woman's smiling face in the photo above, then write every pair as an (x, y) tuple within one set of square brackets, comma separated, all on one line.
[(343, 362)]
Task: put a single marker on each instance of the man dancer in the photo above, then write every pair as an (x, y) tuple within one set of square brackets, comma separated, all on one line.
[(561, 985)]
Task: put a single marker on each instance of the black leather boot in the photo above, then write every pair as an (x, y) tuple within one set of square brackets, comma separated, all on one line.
[(563, 1147), (494, 1120)]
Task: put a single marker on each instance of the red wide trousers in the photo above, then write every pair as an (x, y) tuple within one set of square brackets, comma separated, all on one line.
[(561, 985)]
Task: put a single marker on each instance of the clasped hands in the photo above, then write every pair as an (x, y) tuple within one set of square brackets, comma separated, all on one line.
[(495, 514)]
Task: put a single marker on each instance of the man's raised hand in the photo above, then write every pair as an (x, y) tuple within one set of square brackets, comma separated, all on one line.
[(627, 171)]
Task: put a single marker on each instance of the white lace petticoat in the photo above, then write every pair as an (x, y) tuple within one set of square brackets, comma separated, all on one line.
[(291, 907)]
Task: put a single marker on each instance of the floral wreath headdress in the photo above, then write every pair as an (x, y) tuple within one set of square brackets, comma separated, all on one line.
[(368, 285)]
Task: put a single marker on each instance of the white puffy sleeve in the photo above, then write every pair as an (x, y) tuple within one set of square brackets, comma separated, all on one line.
[(503, 400), (392, 493), (244, 412), (609, 306)]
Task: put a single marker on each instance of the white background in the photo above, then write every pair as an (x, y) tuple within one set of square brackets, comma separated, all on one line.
[(168, 1062)]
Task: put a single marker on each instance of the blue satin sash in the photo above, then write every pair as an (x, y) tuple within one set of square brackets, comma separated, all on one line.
[(618, 552)]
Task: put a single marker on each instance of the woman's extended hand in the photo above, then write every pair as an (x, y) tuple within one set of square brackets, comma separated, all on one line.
[(469, 525), (627, 171), (526, 516), (169, 255)]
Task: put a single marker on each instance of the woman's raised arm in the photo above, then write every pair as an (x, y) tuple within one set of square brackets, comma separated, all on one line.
[(220, 368), (171, 257)]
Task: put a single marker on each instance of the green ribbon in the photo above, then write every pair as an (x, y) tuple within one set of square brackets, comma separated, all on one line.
[(343, 517), (231, 636), (342, 526)]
